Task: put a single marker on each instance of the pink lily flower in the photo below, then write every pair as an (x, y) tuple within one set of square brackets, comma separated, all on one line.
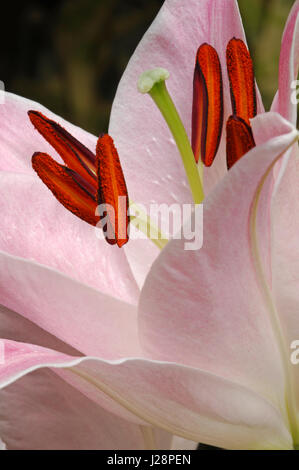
[(197, 346)]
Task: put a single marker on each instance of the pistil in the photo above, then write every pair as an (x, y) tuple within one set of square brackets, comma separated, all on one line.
[(153, 83)]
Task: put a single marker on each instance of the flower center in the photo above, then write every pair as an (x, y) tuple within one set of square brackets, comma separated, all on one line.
[(92, 186)]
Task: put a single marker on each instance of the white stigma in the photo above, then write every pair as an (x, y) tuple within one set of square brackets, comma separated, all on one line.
[(150, 78)]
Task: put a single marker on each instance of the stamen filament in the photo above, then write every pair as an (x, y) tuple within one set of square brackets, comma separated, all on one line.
[(144, 223), (156, 88)]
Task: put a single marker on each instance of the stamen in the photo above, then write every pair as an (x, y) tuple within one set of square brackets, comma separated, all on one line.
[(65, 185), (112, 192), (239, 139), (153, 83), (80, 194), (241, 77), (75, 155), (207, 110), (77, 187)]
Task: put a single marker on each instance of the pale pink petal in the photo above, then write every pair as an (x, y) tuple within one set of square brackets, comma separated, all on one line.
[(2, 445), (288, 67), (42, 411), (17, 359), (141, 254), (205, 308), (285, 253), (15, 327), (35, 226), (178, 443), (84, 318), (19, 140), (191, 403), (265, 126)]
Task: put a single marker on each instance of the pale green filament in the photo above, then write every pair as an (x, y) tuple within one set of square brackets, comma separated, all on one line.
[(153, 83), (143, 223)]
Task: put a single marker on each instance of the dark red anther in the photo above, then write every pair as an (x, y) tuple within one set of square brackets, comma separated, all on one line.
[(112, 192), (241, 78), (207, 111), (239, 140)]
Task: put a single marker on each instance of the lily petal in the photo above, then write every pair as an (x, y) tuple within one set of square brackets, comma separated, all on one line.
[(205, 308), (42, 411), (288, 67), (195, 404), (141, 254), (78, 315), (285, 252), (15, 327), (265, 126), (178, 443)]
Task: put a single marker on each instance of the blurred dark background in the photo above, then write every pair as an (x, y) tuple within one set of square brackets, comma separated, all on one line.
[(70, 54)]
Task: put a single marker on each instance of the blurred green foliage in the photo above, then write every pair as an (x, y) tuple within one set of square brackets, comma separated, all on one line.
[(70, 54)]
